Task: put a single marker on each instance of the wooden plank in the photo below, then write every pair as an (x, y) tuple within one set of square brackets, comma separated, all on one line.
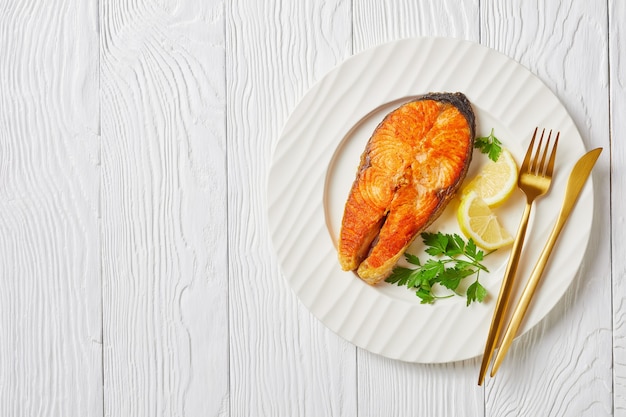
[(388, 387), (563, 365), (283, 361), (50, 281), (617, 52), (164, 209)]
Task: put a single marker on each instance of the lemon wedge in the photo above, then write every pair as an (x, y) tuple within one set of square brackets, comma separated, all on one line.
[(497, 180), (479, 222)]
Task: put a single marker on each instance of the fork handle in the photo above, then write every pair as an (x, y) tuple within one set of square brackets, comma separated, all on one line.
[(505, 293)]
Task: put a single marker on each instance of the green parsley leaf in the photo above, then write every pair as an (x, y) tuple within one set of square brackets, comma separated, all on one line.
[(436, 243), (412, 259), (489, 145), (400, 275), (471, 249), (427, 274), (460, 243), (451, 277), (426, 296), (443, 244), (476, 292)]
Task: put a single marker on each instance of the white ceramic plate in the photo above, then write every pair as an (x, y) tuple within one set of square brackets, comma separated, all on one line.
[(315, 162)]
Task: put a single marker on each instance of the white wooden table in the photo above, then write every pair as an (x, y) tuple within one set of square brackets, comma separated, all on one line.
[(137, 276)]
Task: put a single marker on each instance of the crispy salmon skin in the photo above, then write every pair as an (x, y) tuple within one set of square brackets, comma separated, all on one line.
[(412, 166)]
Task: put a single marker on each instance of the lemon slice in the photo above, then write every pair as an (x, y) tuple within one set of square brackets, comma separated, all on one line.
[(496, 181), (479, 222)]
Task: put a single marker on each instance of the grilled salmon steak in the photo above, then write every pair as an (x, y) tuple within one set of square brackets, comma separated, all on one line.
[(412, 166)]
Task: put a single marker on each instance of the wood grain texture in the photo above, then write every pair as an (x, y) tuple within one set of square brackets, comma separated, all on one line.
[(283, 362), (387, 387), (50, 299), (617, 74), (562, 366), (164, 208), (377, 22)]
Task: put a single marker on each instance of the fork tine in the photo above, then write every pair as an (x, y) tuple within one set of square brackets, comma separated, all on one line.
[(550, 168), (529, 152), (542, 167), (534, 167)]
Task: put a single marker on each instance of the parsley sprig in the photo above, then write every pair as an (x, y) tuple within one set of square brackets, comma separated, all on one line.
[(452, 260), (489, 145)]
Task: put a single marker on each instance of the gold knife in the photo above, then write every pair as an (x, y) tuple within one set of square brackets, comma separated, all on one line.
[(575, 184)]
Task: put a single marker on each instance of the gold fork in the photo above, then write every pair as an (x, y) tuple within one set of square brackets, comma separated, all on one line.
[(534, 180)]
